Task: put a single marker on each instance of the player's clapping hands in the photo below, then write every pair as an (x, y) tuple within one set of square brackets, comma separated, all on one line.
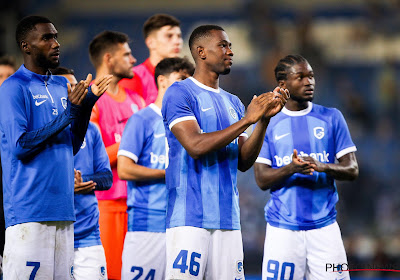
[(80, 91), (81, 187), (100, 85), (276, 100), (267, 104), (301, 164)]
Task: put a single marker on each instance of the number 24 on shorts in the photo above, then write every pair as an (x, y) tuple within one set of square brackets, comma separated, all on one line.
[(181, 262)]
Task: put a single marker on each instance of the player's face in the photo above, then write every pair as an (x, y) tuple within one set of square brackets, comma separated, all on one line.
[(122, 61), (72, 80), (219, 52), (300, 82), (167, 41), (43, 47), (5, 72)]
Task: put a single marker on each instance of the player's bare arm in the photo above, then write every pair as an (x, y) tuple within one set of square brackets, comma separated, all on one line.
[(345, 169), (198, 144), (266, 176), (249, 148), (129, 170)]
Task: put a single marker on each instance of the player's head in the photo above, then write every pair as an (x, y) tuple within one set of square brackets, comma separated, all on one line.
[(110, 50), (7, 67), (67, 73), (170, 70), (210, 46), (163, 36), (36, 37), (294, 73)]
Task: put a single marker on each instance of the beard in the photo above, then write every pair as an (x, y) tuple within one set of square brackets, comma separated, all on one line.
[(123, 74), (46, 63)]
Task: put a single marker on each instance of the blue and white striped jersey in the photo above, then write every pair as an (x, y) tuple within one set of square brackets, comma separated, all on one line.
[(202, 193), (143, 141), (91, 159), (304, 202)]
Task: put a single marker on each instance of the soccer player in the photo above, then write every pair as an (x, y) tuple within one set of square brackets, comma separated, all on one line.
[(163, 38), (297, 163), (205, 130), (110, 54), (7, 68), (92, 172), (141, 161), (42, 125)]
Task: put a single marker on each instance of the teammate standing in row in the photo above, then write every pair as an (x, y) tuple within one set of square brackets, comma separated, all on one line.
[(205, 130), (110, 54), (163, 38), (142, 160), (42, 125), (297, 163), (92, 172)]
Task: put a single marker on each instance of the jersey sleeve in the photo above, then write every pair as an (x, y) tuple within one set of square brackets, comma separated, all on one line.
[(100, 157), (265, 155), (241, 112), (177, 105), (343, 142), (14, 122), (133, 138)]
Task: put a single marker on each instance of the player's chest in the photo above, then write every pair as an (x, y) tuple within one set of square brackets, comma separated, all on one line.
[(46, 101), (216, 113)]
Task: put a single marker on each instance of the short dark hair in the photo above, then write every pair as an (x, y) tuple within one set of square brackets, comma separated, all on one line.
[(157, 21), (202, 31), (104, 42), (8, 60), (26, 25), (173, 64), (281, 69), (62, 71)]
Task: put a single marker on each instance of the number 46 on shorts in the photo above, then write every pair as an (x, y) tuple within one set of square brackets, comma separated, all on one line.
[(182, 264)]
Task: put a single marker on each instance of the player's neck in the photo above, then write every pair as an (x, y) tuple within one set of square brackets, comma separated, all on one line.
[(292, 105), (35, 68), (210, 79), (113, 86), (154, 59)]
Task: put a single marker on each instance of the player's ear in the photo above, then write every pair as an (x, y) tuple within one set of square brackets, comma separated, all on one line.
[(282, 84), (107, 58), (161, 81), (150, 42), (201, 52), (25, 47)]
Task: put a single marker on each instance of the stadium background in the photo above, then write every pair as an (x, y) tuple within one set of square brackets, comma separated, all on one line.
[(354, 48)]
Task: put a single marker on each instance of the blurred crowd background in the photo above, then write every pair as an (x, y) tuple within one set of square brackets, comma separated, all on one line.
[(354, 48)]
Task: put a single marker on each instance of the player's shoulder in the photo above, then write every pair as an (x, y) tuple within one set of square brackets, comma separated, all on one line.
[(325, 111), (60, 80), (179, 88)]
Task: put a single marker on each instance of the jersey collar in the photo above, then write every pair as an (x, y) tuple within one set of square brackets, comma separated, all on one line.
[(217, 90), (298, 113), (155, 108)]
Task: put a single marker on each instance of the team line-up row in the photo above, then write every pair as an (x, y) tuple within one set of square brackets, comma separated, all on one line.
[(153, 152)]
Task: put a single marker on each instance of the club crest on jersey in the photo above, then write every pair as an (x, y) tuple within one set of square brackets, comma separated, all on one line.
[(239, 266), (134, 108), (319, 132), (233, 113), (64, 102), (102, 271)]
